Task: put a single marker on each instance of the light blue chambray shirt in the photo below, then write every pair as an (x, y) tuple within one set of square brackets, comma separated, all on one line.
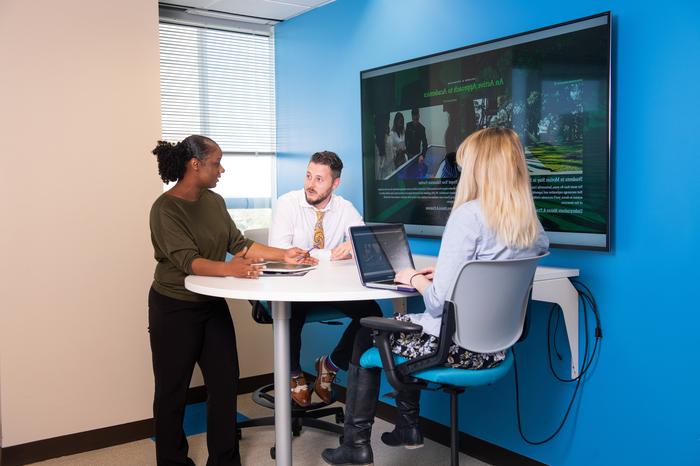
[(466, 237)]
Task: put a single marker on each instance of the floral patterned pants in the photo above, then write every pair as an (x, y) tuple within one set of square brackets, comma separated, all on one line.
[(414, 344)]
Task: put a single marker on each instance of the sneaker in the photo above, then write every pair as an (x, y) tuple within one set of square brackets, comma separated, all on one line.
[(301, 394), (324, 380)]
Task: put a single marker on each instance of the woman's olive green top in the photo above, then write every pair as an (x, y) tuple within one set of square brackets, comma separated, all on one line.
[(182, 231)]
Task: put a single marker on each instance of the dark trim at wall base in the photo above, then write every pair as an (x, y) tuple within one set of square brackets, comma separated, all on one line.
[(76, 443), (469, 445), (133, 431), (108, 436)]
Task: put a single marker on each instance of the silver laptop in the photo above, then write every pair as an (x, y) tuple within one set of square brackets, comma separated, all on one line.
[(380, 251)]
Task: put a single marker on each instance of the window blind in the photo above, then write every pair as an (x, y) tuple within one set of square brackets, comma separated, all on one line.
[(218, 84)]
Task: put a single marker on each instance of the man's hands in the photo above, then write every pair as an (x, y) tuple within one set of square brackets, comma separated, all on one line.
[(299, 256), (342, 251)]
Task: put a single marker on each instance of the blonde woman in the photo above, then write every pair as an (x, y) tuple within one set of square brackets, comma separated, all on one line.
[(493, 218)]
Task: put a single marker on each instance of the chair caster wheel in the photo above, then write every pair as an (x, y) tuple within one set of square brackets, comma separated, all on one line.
[(340, 418), (272, 453)]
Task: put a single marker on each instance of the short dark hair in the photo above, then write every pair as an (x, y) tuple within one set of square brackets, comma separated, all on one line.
[(329, 159), (173, 158), (415, 112)]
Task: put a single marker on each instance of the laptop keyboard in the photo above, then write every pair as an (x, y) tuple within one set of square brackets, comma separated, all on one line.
[(386, 282)]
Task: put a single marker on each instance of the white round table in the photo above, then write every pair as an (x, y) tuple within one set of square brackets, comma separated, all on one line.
[(340, 281), (330, 281)]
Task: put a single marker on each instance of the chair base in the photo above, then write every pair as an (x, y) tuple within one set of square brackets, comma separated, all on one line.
[(309, 416), (262, 397)]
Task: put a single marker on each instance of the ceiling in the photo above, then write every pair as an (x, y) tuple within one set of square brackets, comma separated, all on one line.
[(257, 11)]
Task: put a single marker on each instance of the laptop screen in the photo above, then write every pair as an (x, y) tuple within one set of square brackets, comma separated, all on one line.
[(381, 251)]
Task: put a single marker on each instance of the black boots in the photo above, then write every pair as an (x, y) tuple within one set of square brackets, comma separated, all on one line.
[(406, 433), (360, 405)]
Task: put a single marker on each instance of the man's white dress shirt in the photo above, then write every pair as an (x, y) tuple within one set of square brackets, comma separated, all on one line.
[(293, 221)]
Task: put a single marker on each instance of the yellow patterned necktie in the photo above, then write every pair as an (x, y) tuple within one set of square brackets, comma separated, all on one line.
[(319, 239)]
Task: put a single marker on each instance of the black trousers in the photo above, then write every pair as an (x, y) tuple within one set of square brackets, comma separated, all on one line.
[(363, 342), (356, 310), (183, 333)]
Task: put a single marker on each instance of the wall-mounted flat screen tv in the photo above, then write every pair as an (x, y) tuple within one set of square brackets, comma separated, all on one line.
[(551, 86)]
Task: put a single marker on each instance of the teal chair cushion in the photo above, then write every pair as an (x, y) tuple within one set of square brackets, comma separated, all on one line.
[(446, 375), (323, 314)]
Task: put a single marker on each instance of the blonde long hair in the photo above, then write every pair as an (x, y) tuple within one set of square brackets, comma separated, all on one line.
[(494, 171)]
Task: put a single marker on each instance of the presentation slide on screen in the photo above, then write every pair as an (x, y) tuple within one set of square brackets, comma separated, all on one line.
[(553, 92)]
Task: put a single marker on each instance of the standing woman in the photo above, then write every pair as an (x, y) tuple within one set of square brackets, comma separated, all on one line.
[(397, 139), (381, 136), (493, 218), (191, 232), (449, 168)]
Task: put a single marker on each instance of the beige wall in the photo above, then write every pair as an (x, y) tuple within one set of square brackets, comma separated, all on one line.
[(79, 113), (255, 350)]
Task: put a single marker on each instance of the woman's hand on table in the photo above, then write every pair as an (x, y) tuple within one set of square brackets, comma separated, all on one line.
[(404, 276), (245, 267), (418, 279), (427, 272)]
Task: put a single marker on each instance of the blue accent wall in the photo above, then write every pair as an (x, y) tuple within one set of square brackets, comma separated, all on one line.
[(640, 403)]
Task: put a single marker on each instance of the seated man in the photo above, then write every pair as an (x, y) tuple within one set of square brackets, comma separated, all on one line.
[(317, 220)]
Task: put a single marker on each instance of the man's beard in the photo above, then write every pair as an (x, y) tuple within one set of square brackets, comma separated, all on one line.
[(320, 199)]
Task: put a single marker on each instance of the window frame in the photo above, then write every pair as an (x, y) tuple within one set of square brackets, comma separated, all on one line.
[(178, 17)]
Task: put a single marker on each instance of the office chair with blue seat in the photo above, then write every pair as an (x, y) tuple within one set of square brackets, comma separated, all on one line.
[(485, 313), (301, 416)]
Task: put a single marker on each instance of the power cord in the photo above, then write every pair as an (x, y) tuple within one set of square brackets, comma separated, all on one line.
[(587, 300)]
